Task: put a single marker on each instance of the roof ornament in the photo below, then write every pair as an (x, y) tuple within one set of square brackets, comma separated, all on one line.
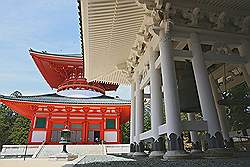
[(221, 21), (192, 16), (245, 25), (16, 94)]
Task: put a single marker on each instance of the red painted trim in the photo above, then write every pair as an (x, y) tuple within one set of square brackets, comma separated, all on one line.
[(50, 110), (56, 69), (31, 130)]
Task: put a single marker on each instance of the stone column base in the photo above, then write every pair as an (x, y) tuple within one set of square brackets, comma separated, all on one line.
[(196, 153), (176, 154), (132, 149), (156, 154), (218, 153), (157, 148), (139, 155), (130, 154)]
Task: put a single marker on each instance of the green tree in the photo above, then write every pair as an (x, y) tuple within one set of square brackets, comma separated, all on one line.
[(7, 118), (125, 127), (147, 120), (14, 128), (20, 130), (237, 107)]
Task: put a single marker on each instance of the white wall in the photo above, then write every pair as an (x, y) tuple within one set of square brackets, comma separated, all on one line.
[(38, 136), (110, 136)]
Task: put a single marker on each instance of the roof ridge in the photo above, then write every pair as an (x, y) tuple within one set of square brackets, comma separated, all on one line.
[(55, 98), (56, 54)]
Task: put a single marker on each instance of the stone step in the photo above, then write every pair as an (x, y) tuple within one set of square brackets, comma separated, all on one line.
[(45, 151), (18, 150), (80, 150)]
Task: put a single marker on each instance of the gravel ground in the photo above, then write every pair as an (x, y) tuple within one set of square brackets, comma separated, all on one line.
[(103, 161)]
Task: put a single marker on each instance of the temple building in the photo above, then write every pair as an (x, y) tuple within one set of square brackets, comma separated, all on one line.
[(186, 52), (90, 119), (179, 55)]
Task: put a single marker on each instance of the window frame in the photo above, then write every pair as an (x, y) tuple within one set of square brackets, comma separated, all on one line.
[(106, 124), (36, 120)]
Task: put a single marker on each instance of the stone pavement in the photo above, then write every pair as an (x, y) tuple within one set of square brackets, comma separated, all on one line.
[(114, 161), (30, 163), (146, 162)]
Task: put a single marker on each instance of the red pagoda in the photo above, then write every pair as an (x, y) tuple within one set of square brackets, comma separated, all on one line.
[(90, 119)]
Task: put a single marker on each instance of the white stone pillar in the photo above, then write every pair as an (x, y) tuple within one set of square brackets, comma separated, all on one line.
[(244, 51), (156, 106), (171, 99), (220, 109), (156, 96), (139, 123), (215, 140), (132, 118)]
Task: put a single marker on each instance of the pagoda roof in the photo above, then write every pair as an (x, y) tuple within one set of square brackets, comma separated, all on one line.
[(52, 66), (58, 99), (58, 68)]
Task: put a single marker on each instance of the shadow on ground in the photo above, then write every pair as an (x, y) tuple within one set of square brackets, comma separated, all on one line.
[(236, 162)]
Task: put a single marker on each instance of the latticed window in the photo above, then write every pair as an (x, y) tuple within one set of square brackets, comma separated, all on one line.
[(58, 126), (110, 123), (40, 123), (55, 135)]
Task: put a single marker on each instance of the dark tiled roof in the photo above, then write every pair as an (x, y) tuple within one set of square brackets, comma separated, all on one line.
[(44, 53), (55, 98)]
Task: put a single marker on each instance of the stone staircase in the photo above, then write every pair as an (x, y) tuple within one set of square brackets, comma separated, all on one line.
[(18, 151), (80, 150), (45, 151)]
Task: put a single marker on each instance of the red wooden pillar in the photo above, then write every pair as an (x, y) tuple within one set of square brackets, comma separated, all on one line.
[(83, 132), (31, 129), (118, 125), (103, 111), (86, 110), (48, 128)]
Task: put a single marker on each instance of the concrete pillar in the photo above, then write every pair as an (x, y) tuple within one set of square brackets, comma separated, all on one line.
[(220, 111), (244, 51), (215, 139), (196, 144), (171, 99), (139, 123), (156, 107), (132, 119)]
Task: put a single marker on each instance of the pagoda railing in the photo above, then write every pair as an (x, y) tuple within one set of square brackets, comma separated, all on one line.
[(81, 84)]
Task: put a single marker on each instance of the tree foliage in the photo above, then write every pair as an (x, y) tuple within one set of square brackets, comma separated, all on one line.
[(237, 109), (14, 128), (147, 120), (125, 132), (20, 130), (7, 118)]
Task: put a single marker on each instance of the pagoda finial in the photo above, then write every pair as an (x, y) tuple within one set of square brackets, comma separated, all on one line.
[(16, 94)]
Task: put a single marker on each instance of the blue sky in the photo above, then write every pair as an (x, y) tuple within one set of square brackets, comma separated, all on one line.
[(50, 25)]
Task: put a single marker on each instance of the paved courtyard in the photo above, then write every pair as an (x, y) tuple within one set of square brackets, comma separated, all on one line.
[(94, 161), (114, 161), (30, 163)]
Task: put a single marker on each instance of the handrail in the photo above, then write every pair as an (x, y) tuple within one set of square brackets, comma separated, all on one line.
[(25, 152), (39, 150), (104, 149)]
